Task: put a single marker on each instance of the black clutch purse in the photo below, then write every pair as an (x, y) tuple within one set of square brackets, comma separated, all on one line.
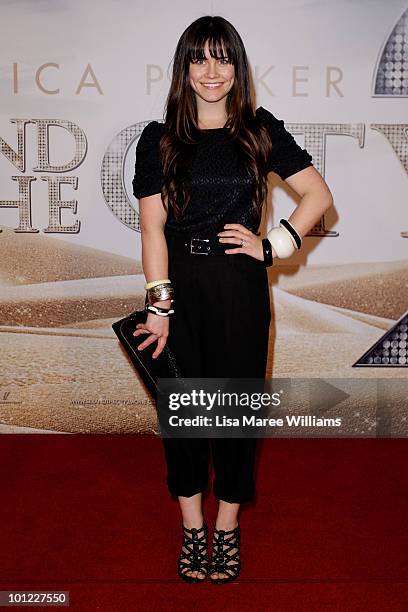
[(149, 369)]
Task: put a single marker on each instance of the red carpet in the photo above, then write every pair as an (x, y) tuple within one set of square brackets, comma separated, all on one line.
[(91, 515)]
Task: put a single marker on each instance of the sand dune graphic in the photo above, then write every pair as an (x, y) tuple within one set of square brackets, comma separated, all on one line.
[(46, 370), (369, 288), (296, 315), (63, 369), (71, 301), (36, 258)]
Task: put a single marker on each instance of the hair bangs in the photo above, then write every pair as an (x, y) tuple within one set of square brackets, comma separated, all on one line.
[(218, 45)]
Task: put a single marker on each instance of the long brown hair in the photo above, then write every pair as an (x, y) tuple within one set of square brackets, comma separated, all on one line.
[(181, 121)]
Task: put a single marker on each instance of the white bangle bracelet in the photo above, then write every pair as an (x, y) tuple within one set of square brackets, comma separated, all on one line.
[(281, 241), (154, 309), (290, 235)]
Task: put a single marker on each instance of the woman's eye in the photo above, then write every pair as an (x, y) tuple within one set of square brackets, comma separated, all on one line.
[(223, 60)]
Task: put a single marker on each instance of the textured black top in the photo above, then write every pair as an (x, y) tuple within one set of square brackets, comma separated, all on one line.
[(220, 192)]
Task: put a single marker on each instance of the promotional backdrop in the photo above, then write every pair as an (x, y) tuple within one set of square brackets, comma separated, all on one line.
[(79, 81)]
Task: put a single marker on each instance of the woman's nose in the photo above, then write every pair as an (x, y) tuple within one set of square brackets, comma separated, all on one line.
[(212, 69)]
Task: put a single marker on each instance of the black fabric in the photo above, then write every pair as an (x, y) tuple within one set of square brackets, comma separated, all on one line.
[(222, 304), (220, 329), (220, 190)]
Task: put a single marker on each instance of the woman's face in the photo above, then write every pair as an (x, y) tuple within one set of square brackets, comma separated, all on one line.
[(211, 78)]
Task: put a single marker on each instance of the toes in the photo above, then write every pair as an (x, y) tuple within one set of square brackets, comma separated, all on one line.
[(189, 573), (195, 574)]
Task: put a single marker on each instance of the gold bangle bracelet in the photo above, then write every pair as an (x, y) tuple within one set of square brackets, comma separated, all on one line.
[(156, 282)]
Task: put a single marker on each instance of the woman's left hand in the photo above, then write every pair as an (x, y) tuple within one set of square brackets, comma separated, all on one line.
[(252, 244)]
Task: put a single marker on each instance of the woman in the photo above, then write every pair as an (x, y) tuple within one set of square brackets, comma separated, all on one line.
[(201, 182)]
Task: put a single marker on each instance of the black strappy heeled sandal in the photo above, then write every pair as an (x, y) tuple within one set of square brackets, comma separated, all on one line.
[(222, 556), (194, 553)]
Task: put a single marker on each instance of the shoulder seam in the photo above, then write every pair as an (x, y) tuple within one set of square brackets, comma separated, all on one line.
[(268, 116), (154, 123), (149, 134)]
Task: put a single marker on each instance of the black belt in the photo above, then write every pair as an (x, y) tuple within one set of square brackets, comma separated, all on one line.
[(191, 245)]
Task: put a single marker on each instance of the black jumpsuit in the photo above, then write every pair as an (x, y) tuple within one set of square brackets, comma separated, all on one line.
[(222, 303)]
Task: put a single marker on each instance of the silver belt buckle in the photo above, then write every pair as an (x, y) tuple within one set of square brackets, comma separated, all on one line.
[(202, 251)]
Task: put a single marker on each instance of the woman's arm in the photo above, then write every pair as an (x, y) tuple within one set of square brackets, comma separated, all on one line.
[(316, 198), (152, 218)]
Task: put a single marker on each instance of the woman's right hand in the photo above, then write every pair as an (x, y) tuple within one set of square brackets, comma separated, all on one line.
[(158, 329)]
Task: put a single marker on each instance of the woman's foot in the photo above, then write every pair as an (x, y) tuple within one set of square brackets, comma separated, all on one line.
[(193, 559), (225, 564)]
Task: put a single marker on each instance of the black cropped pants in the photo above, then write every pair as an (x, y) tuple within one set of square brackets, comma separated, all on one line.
[(220, 328)]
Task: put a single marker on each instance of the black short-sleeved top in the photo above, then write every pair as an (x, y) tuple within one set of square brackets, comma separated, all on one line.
[(220, 191)]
